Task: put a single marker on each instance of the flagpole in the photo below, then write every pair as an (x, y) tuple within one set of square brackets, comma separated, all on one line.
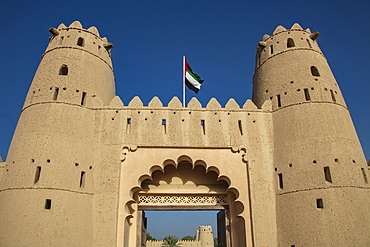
[(183, 81)]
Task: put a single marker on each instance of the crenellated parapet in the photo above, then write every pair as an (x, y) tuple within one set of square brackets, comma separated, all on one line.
[(292, 70), (76, 37), (286, 40), (75, 68), (173, 125)]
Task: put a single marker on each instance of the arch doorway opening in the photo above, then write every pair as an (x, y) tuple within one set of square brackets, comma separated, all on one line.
[(191, 187), (200, 228)]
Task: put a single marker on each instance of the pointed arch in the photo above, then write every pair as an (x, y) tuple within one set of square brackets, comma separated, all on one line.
[(80, 41), (290, 43), (315, 71), (63, 70)]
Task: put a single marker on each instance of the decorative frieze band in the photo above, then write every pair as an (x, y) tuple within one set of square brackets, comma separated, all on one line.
[(182, 199)]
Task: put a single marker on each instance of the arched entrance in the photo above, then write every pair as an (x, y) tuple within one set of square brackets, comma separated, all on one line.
[(187, 188), (181, 184)]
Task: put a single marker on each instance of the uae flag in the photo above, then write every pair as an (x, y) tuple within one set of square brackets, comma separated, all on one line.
[(192, 80)]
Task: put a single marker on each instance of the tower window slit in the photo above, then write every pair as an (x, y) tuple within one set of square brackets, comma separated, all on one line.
[(290, 43), (37, 174), (333, 96), (82, 179), (364, 175), (80, 41), (280, 181), (278, 100), (203, 124), (56, 92), (327, 174), (271, 49), (307, 94), (63, 70), (240, 127), (164, 125), (83, 98), (309, 43), (48, 204), (314, 71)]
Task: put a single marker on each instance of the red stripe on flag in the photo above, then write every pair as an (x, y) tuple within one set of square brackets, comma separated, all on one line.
[(186, 66)]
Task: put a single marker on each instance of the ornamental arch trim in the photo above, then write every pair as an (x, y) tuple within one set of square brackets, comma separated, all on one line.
[(197, 199)]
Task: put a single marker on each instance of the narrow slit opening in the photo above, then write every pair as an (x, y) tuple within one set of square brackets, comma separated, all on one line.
[(164, 129), (327, 174), (280, 181), (48, 204), (128, 126), (240, 127), (307, 94), (271, 49), (82, 179), (83, 98), (309, 43), (37, 174), (364, 175), (319, 203), (333, 96), (203, 124), (278, 100), (56, 92)]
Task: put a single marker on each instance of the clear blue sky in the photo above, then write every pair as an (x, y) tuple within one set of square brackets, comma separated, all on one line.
[(218, 37)]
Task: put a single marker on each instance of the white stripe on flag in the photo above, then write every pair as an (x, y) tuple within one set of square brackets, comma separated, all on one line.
[(191, 79)]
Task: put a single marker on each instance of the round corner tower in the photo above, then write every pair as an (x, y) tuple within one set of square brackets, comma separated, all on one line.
[(320, 169), (205, 236), (48, 187)]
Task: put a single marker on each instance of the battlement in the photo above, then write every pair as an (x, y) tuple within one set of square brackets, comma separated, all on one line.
[(76, 37), (284, 40), (174, 103)]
